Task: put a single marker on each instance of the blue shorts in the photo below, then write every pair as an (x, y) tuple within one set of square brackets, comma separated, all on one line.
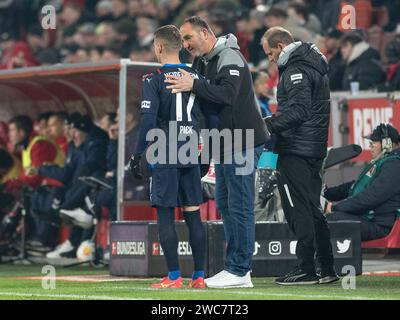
[(175, 187)]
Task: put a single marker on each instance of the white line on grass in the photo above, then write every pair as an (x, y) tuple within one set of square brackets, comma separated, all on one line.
[(262, 294), (71, 296)]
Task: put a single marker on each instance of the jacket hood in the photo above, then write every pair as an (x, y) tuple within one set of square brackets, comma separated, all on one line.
[(306, 54), (223, 43)]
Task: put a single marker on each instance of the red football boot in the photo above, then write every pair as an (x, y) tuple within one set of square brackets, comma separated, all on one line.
[(197, 284), (166, 283)]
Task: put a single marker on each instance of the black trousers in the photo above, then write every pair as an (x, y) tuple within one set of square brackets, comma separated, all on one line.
[(369, 230), (300, 184)]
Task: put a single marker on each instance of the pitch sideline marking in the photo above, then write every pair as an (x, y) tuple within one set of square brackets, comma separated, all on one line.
[(57, 295), (256, 293)]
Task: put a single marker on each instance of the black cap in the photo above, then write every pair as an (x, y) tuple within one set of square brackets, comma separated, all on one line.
[(83, 123), (72, 117), (379, 133)]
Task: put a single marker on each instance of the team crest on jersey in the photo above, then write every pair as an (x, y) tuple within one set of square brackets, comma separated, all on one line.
[(371, 171), (147, 77), (234, 72), (146, 104)]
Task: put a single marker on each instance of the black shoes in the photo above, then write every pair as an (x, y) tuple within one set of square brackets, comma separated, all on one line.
[(328, 276), (298, 277)]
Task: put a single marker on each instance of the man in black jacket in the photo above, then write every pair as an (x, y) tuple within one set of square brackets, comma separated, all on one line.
[(229, 101), (301, 128), (363, 63), (374, 198)]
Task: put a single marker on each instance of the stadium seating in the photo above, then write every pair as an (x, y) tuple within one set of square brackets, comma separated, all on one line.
[(391, 241)]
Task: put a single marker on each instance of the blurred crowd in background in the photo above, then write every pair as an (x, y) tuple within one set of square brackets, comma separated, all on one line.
[(100, 30)]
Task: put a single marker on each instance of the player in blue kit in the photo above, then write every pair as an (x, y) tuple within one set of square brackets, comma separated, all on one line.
[(175, 180)]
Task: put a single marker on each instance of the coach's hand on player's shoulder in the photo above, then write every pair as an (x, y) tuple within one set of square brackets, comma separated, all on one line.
[(134, 166), (180, 84)]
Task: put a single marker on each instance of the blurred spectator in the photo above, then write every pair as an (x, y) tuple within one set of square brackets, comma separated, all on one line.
[(42, 125), (33, 150), (35, 39), (112, 52), (243, 34), (300, 13), (393, 9), (119, 9), (16, 54), (362, 63), (107, 121), (56, 124), (142, 54), (71, 17), (327, 11), (125, 36), (105, 34), (95, 53), (150, 9), (169, 10), (134, 9), (263, 93), (68, 126), (75, 54), (195, 7), (393, 55), (145, 28), (257, 27), (276, 17), (85, 36), (335, 60), (7, 44), (104, 11)]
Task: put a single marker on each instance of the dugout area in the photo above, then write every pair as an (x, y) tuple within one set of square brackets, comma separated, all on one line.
[(95, 89)]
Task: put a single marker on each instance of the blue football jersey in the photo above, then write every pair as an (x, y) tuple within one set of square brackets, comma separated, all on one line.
[(176, 114)]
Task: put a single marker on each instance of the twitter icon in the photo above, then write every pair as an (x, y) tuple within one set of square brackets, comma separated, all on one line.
[(344, 246)]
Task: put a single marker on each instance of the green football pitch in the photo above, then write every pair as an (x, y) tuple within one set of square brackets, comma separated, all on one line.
[(87, 283)]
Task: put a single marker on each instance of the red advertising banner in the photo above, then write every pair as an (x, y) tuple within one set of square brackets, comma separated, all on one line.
[(364, 115)]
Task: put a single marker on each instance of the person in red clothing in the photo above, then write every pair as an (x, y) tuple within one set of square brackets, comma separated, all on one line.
[(22, 54), (35, 151), (56, 125), (3, 134)]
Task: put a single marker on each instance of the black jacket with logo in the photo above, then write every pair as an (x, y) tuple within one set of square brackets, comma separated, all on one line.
[(227, 90), (302, 119)]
